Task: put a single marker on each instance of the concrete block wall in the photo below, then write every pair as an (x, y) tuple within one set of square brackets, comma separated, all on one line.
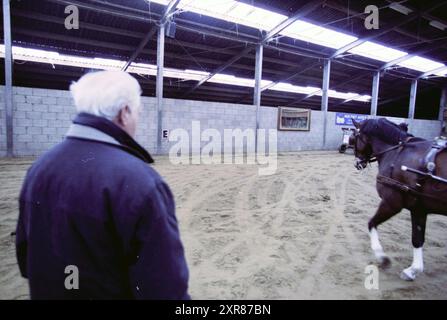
[(334, 133), (211, 115), (146, 133), (294, 140), (42, 117), (427, 129)]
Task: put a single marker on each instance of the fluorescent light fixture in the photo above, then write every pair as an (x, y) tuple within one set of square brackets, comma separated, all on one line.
[(400, 8), (312, 33), (438, 25), (377, 51)]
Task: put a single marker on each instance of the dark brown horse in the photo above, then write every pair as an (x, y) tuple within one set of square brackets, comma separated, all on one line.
[(395, 150)]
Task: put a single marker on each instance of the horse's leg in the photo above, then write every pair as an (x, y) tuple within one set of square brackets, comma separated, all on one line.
[(383, 213), (418, 222)]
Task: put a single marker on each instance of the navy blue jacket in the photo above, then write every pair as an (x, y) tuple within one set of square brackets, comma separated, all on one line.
[(100, 207)]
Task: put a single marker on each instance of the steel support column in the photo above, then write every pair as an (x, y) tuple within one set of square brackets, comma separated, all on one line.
[(375, 93), (442, 108), (257, 88), (413, 94), (159, 83), (325, 96), (8, 78)]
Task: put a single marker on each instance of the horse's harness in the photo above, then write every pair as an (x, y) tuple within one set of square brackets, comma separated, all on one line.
[(374, 156), (439, 145)]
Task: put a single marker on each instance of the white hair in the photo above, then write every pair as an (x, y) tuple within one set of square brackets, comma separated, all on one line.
[(105, 93)]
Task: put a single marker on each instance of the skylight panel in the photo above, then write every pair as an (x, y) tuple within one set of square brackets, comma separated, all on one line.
[(340, 95), (287, 87), (363, 98), (109, 63), (420, 64), (232, 11), (143, 65), (309, 32), (377, 51), (236, 81), (186, 74), (150, 69), (197, 73), (263, 19), (241, 10), (42, 56), (252, 16), (213, 8), (442, 73), (34, 52)]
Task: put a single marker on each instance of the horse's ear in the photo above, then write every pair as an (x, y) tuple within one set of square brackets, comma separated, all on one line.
[(403, 126), (356, 124)]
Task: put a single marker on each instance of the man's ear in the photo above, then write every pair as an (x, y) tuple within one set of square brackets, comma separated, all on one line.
[(123, 115), (119, 117)]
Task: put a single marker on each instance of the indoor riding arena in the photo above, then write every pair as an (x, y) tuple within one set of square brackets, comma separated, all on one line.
[(253, 112)]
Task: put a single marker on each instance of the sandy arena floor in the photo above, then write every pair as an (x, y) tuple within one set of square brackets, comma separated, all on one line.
[(298, 234)]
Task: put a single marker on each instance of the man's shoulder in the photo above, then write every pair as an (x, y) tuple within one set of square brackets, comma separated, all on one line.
[(101, 159), (118, 161), (134, 169)]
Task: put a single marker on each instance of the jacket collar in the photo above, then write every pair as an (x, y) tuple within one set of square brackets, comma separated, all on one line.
[(89, 133), (92, 127)]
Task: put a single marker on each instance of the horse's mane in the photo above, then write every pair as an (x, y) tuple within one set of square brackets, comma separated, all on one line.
[(385, 130)]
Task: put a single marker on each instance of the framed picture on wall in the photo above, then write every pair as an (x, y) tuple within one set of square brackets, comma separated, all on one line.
[(293, 119)]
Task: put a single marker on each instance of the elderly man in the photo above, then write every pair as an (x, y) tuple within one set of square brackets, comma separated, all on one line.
[(96, 222)]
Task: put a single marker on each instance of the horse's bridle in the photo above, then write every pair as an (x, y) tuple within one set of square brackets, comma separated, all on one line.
[(371, 158), (363, 161)]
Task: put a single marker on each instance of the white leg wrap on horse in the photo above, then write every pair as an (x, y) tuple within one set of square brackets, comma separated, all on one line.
[(418, 261), (416, 267), (375, 244)]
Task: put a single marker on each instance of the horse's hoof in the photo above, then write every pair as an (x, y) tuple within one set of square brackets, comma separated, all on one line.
[(385, 262), (405, 276)]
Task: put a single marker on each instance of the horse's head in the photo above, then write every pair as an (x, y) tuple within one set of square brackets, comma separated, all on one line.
[(362, 146)]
